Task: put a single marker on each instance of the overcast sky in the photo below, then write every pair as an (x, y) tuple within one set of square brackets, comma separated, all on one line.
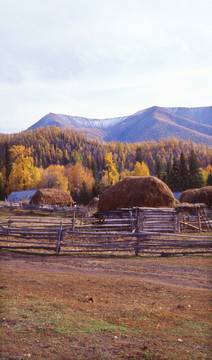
[(102, 58)]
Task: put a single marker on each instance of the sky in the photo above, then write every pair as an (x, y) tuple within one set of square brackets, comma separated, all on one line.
[(102, 58)]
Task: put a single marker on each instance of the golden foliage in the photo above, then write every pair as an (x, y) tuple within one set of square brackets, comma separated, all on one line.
[(78, 174), (54, 177), (110, 175), (140, 169), (23, 174)]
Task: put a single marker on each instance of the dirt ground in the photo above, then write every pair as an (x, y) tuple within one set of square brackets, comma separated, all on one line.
[(105, 307), (189, 271)]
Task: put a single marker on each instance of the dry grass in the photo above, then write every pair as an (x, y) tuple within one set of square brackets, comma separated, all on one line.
[(104, 307), (71, 308)]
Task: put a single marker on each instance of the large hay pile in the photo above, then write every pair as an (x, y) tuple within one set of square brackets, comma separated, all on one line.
[(52, 197), (202, 195), (143, 191)]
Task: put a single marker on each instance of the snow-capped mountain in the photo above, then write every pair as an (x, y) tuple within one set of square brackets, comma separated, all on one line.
[(149, 124)]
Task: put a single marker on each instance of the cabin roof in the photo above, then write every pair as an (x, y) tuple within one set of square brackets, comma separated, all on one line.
[(21, 195)]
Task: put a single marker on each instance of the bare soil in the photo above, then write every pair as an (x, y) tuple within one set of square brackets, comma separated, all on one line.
[(105, 307), (189, 271)]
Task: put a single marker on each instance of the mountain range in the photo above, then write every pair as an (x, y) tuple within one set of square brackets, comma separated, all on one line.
[(153, 123)]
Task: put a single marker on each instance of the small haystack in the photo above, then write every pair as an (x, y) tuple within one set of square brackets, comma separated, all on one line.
[(142, 191), (187, 195), (93, 204), (202, 195), (52, 197)]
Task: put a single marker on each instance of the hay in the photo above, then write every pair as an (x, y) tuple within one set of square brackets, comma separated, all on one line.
[(187, 196), (52, 197), (142, 191), (202, 195), (93, 204), (189, 207)]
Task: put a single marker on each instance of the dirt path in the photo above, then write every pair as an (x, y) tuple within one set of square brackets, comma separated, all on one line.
[(190, 271)]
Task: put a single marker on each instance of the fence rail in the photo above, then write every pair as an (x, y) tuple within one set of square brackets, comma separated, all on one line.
[(68, 236), (79, 210)]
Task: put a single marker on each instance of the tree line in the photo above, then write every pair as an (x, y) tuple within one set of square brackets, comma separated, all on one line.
[(51, 157)]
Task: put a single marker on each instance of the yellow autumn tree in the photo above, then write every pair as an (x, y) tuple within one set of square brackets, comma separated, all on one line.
[(77, 175), (140, 169), (206, 172), (23, 174), (54, 177), (125, 173), (110, 174)]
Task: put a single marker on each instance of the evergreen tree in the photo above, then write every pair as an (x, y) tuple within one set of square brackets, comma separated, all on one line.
[(183, 173), (8, 161), (84, 194), (94, 169), (158, 167), (167, 174), (96, 187), (195, 176), (209, 179), (175, 178), (2, 193), (138, 156)]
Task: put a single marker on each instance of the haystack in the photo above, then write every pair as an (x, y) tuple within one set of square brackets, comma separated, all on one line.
[(93, 204), (202, 195), (142, 191), (187, 196), (52, 197)]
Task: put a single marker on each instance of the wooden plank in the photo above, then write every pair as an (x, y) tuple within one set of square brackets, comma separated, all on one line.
[(190, 226), (59, 238)]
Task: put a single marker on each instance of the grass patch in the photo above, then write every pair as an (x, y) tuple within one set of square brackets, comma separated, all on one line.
[(55, 310)]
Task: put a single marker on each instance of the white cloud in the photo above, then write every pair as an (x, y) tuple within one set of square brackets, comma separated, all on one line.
[(102, 57)]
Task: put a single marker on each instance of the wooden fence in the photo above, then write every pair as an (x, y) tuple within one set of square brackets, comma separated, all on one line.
[(68, 236), (80, 211), (158, 219), (33, 233), (141, 243)]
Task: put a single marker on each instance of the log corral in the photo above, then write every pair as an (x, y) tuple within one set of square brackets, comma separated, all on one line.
[(138, 214), (139, 230), (142, 191)]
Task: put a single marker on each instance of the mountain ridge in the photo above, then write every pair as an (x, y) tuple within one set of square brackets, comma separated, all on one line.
[(152, 123)]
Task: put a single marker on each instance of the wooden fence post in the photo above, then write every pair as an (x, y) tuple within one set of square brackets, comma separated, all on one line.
[(86, 216), (59, 239), (73, 220), (178, 222), (132, 222), (199, 219), (137, 229), (205, 217), (137, 245), (141, 214), (9, 226)]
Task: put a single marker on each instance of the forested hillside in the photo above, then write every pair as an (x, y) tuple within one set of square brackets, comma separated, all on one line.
[(52, 157)]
